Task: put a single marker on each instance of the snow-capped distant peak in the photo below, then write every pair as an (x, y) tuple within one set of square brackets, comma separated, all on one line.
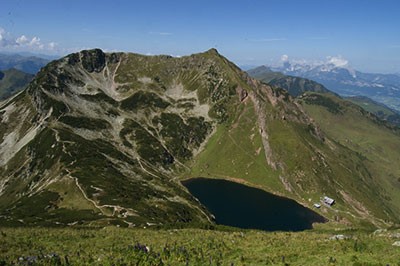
[(330, 64), (337, 61)]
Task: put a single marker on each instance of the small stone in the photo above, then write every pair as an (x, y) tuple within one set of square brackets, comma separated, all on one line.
[(395, 235), (379, 231), (396, 244), (339, 237)]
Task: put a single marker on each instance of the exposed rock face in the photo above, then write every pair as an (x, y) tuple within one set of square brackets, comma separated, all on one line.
[(94, 60), (261, 112), (242, 94)]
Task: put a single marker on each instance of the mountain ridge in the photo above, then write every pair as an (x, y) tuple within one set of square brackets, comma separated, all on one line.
[(104, 138), (379, 109), (294, 85)]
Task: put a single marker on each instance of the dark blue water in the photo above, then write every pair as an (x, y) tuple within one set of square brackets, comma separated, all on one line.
[(241, 206)]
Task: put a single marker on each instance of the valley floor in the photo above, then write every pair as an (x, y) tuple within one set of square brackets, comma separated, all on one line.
[(122, 246)]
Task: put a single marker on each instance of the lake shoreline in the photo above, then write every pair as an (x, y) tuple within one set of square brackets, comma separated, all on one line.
[(247, 207)]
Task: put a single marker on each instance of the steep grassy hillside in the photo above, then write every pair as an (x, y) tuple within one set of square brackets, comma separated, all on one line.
[(380, 110), (373, 140), (13, 81)]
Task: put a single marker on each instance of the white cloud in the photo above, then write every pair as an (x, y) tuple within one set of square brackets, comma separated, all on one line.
[(329, 62), (4, 38), (52, 45), (22, 40), (35, 41), (337, 61), (23, 43)]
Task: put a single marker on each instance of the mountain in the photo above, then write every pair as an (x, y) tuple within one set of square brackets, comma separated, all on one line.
[(380, 110), (247, 67), (264, 73), (38, 55), (13, 81), (294, 85), (105, 138), (27, 64), (342, 79), (297, 86)]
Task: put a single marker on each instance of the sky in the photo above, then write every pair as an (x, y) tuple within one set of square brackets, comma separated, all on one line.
[(364, 33)]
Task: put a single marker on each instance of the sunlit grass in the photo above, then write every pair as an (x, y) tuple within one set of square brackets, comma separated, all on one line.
[(117, 246)]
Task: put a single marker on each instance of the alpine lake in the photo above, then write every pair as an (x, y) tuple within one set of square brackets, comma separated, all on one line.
[(241, 206)]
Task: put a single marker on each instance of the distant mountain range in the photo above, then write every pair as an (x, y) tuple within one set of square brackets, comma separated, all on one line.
[(27, 64), (296, 86), (344, 80)]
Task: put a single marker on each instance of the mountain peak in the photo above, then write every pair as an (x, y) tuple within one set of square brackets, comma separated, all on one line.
[(213, 51), (261, 69), (92, 60)]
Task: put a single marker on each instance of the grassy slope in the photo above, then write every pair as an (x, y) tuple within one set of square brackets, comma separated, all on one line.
[(295, 85), (235, 152), (265, 74), (13, 81), (379, 109), (269, 76), (117, 246), (311, 168), (370, 105), (308, 168), (314, 169), (379, 145)]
